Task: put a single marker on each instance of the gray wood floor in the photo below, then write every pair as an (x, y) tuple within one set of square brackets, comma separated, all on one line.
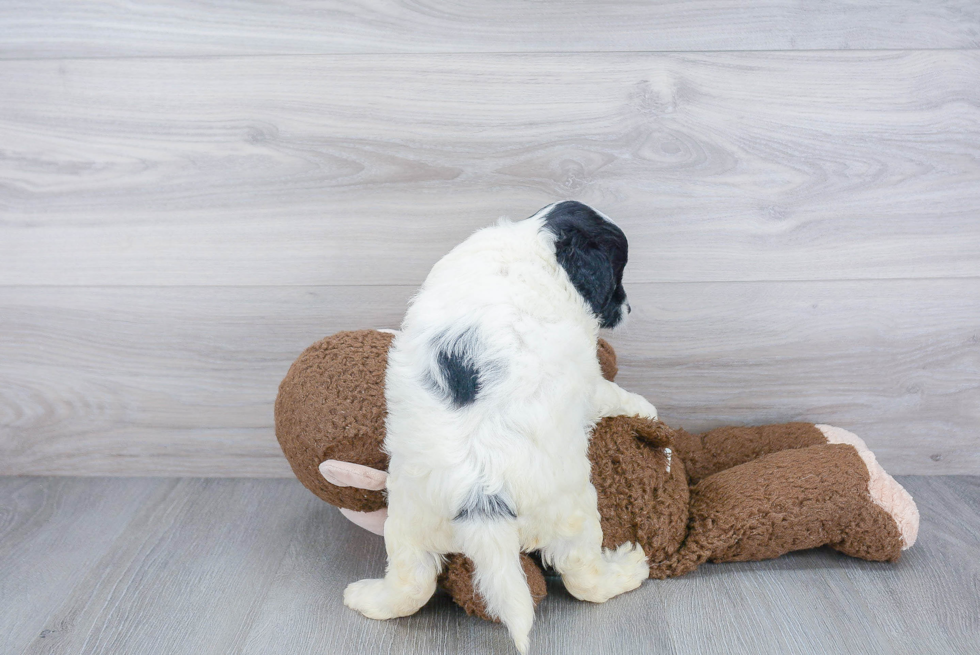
[(158, 565)]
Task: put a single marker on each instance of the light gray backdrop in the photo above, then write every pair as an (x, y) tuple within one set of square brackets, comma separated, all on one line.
[(190, 194)]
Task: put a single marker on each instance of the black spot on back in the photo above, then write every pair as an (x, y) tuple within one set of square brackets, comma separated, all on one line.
[(593, 252), (461, 376), (458, 377), (485, 506)]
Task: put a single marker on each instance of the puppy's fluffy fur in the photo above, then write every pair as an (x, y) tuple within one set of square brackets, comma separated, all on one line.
[(493, 388)]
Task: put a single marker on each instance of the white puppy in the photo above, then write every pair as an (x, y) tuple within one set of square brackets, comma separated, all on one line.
[(493, 388)]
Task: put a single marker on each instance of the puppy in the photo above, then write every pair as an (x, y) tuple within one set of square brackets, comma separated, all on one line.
[(492, 390)]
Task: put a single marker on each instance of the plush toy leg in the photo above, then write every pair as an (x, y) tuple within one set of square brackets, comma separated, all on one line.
[(720, 449), (792, 500)]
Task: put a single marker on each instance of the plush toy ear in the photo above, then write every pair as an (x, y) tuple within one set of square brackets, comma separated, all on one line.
[(607, 360), (370, 521), (654, 433), (346, 474)]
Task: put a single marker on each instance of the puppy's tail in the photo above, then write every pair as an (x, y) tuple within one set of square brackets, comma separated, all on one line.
[(487, 534)]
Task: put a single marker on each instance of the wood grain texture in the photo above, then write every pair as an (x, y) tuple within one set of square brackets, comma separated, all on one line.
[(815, 602), (177, 381), (867, 356), (181, 381), (366, 169), (85, 28), (191, 569), (259, 566), (53, 531), (948, 544)]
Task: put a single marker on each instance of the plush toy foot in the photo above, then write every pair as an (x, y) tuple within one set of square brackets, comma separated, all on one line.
[(886, 493), (619, 571)]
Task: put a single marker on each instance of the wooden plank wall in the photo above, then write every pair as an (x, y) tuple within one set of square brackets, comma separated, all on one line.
[(190, 194)]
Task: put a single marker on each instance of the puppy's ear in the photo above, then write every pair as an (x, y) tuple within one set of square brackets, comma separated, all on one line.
[(593, 252), (588, 266)]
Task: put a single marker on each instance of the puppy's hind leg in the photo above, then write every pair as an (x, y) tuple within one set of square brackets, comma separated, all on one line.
[(589, 572), (409, 581), (486, 532)]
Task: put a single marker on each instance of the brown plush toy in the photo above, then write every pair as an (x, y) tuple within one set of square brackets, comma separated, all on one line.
[(731, 494)]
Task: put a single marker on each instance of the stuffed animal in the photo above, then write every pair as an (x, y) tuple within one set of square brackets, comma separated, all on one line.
[(731, 494)]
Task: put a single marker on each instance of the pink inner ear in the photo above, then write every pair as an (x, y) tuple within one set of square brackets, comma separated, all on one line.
[(346, 474), (370, 521)]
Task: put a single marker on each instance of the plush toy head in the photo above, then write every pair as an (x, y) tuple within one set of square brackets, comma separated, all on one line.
[(331, 406)]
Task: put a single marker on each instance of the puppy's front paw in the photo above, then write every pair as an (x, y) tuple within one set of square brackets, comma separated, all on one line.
[(369, 598), (628, 568), (640, 406), (620, 570)]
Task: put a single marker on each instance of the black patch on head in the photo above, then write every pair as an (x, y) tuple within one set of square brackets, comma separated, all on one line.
[(458, 378), (485, 506), (593, 252)]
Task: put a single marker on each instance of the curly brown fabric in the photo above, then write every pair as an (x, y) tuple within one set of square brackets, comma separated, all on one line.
[(723, 448), (607, 360), (331, 405), (639, 500), (785, 501)]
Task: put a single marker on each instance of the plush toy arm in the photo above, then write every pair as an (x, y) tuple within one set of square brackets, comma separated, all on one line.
[(721, 449), (347, 474)]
